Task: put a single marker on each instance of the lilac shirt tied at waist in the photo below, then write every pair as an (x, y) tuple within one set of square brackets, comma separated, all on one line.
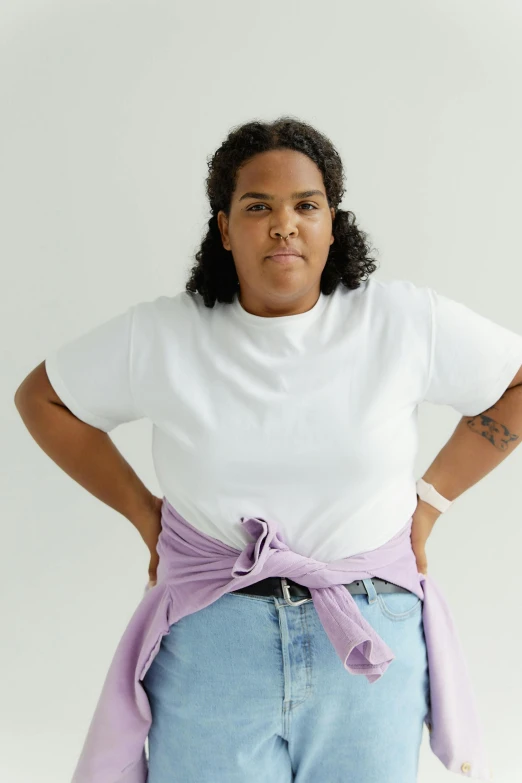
[(195, 570)]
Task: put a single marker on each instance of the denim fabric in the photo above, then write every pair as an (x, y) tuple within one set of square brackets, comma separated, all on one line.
[(251, 689)]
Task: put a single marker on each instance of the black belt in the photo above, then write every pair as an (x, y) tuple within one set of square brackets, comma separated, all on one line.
[(294, 593)]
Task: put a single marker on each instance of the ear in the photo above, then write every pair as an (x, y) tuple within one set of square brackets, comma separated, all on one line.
[(223, 229)]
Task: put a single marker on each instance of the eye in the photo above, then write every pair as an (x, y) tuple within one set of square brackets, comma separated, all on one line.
[(251, 209)]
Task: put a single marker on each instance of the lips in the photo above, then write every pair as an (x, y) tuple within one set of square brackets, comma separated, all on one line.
[(285, 251), (285, 259)]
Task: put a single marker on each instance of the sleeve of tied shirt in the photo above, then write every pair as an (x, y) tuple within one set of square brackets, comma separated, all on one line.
[(472, 358), (93, 373)]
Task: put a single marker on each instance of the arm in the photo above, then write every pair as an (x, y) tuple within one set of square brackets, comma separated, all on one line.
[(478, 444), (85, 453)]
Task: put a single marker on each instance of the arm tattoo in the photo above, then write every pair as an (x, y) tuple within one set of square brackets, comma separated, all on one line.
[(497, 434)]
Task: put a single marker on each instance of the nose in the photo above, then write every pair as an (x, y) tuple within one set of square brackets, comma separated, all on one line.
[(284, 229)]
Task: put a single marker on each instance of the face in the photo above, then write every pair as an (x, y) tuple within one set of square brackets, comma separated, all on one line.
[(258, 223)]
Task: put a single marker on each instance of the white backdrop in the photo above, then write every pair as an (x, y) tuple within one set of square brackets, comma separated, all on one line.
[(108, 112)]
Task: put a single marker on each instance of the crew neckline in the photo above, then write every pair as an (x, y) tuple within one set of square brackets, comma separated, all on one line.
[(268, 322)]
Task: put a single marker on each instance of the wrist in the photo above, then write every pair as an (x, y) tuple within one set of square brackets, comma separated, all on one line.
[(147, 521), (149, 528), (141, 506), (428, 509), (429, 493)]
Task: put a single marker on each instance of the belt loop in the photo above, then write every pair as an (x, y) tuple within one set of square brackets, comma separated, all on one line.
[(370, 589)]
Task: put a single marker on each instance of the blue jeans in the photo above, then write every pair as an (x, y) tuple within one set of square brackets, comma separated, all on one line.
[(251, 689)]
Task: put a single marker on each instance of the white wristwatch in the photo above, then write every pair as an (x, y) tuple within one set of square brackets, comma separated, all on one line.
[(428, 493)]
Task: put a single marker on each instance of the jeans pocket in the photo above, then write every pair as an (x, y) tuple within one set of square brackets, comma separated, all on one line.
[(399, 606)]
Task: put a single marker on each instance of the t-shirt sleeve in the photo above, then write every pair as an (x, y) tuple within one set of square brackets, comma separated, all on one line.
[(92, 374), (473, 359)]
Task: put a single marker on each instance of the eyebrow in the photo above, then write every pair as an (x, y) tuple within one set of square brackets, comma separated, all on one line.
[(268, 197)]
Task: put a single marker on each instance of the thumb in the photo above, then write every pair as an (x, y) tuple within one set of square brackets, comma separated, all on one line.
[(420, 558), (153, 566), (422, 564)]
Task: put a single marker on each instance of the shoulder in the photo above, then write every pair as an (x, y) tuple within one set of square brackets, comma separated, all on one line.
[(396, 289), (399, 300), (165, 310)]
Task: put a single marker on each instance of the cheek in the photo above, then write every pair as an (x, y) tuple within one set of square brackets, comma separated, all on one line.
[(251, 234)]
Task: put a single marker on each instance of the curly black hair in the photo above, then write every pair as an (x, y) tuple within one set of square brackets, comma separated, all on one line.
[(214, 276)]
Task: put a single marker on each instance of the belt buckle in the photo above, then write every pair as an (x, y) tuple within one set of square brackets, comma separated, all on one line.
[(286, 593)]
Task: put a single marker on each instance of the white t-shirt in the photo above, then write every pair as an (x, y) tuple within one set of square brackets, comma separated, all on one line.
[(307, 419)]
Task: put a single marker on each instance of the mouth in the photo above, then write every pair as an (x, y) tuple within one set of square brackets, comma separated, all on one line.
[(286, 258)]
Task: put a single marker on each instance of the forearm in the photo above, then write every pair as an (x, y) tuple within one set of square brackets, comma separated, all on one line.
[(478, 444), (86, 454)]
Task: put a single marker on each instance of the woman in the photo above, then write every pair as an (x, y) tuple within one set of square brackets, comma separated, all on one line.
[(283, 385)]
